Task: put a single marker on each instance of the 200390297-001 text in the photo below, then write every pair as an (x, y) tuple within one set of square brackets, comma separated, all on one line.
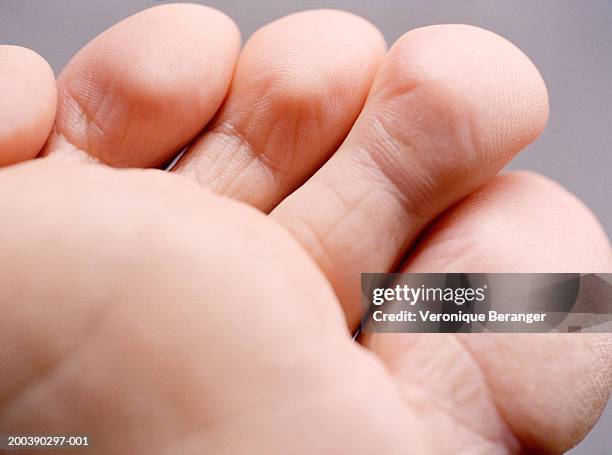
[(21, 442)]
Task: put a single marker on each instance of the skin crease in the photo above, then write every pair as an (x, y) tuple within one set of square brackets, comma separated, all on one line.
[(159, 318)]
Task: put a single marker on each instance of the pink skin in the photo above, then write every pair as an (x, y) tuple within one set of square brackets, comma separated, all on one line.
[(158, 317)]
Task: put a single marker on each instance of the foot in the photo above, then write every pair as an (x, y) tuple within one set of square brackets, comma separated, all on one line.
[(158, 317)]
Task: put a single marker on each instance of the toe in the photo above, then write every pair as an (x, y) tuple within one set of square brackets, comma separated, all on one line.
[(27, 103), (139, 92), (299, 85), (449, 107), (517, 222)]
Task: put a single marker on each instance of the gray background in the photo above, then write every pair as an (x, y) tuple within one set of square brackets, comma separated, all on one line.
[(570, 42)]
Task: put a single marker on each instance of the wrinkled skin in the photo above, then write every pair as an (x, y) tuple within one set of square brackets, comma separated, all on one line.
[(209, 309)]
